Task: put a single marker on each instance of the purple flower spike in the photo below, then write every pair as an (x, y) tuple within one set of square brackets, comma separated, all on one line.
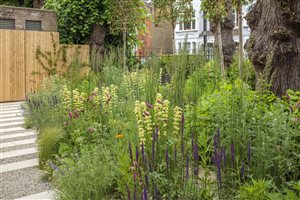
[(219, 178), (232, 154), (143, 152), (249, 153), (145, 193), (128, 192), (130, 152), (136, 153), (134, 194)]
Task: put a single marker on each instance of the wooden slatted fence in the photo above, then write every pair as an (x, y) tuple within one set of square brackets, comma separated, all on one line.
[(20, 71)]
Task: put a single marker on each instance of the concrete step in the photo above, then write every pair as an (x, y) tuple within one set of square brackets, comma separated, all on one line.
[(11, 124), (17, 143), (18, 165), (6, 131), (3, 105), (12, 115), (15, 108), (17, 135), (16, 153), (12, 119), (3, 114), (47, 195)]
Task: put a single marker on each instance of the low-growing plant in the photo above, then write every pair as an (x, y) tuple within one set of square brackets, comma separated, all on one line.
[(48, 144), (92, 177)]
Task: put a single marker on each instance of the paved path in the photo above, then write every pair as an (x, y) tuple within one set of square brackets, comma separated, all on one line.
[(20, 177)]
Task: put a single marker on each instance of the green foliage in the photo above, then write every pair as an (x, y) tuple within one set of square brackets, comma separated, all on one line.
[(21, 3), (232, 72), (48, 143), (257, 190), (90, 178), (214, 9), (265, 190), (171, 11), (76, 18), (106, 111)]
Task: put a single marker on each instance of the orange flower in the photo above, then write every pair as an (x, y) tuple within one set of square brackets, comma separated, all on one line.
[(119, 136)]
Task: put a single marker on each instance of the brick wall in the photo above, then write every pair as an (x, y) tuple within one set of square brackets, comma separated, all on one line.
[(20, 15)]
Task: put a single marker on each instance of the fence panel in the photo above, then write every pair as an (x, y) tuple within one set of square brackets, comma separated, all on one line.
[(20, 71), (34, 71), (12, 68)]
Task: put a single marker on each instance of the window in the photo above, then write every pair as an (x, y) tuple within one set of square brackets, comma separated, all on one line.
[(33, 25), (187, 26), (7, 24)]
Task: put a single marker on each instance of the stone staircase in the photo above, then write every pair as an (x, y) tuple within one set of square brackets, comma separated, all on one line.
[(20, 177)]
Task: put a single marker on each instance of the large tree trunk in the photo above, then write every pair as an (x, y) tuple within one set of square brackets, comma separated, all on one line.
[(97, 45), (97, 39), (227, 26), (274, 44)]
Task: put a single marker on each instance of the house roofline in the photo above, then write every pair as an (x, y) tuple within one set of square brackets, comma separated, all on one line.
[(24, 8)]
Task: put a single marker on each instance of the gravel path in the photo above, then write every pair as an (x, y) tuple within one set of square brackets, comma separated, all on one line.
[(19, 173)]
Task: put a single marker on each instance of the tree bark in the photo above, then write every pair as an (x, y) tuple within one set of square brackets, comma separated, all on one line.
[(227, 26), (274, 43), (97, 39), (221, 55)]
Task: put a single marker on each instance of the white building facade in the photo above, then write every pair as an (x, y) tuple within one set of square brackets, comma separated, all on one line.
[(193, 35)]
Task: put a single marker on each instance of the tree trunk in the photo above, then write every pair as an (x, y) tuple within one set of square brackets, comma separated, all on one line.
[(97, 39), (241, 48), (97, 44), (38, 3), (227, 26), (274, 43), (221, 55)]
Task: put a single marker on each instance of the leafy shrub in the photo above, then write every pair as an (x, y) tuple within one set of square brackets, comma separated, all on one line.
[(256, 136)]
